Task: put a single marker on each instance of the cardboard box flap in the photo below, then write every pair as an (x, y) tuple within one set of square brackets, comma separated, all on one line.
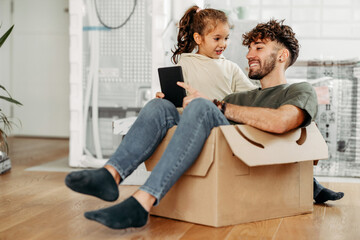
[(256, 148), (201, 165)]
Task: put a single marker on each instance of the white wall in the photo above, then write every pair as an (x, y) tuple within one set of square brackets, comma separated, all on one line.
[(34, 65)]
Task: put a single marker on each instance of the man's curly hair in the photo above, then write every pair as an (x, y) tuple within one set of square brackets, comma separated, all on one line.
[(275, 31)]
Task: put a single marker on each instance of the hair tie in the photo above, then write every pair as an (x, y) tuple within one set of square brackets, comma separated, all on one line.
[(198, 10)]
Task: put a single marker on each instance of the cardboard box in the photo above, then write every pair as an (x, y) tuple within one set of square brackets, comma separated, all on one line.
[(244, 175)]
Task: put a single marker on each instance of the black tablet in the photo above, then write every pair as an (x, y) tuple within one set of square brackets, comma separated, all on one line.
[(168, 77)]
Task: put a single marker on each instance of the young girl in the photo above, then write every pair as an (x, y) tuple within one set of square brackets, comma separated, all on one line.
[(207, 31)]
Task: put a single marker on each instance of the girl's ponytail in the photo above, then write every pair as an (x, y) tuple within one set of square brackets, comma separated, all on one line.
[(185, 41)]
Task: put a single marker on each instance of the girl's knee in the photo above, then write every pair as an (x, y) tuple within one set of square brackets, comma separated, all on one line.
[(158, 103)]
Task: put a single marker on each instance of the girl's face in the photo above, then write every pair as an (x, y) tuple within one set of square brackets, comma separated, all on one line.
[(214, 43)]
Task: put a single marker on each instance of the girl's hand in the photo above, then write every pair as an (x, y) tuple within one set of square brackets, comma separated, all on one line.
[(192, 93), (160, 95)]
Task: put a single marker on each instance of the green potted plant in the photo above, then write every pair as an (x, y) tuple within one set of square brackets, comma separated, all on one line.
[(5, 123)]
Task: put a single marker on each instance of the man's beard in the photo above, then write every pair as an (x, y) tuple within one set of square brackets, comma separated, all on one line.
[(269, 65)]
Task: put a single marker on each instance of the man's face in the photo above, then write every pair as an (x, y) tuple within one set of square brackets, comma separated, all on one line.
[(262, 56)]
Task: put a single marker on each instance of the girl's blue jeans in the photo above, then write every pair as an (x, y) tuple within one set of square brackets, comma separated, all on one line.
[(147, 132)]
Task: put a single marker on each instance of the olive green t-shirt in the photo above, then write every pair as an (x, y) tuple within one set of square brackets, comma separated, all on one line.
[(301, 95)]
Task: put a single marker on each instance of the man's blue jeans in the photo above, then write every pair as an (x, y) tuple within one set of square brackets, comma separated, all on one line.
[(152, 124), (150, 127)]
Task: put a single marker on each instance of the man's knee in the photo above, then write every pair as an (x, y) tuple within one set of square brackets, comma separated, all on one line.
[(200, 105), (206, 111)]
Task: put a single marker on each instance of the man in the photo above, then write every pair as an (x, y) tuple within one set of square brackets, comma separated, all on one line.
[(275, 107)]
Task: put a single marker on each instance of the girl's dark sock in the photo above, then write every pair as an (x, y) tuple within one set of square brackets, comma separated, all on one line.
[(99, 183), (127, 214)]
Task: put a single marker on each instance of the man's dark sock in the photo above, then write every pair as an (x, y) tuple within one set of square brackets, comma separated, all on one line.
[(127, 214), (99, 183), (327, 194)]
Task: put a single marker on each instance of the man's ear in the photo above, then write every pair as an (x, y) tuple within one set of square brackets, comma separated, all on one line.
[(197, 38), (284, 55)]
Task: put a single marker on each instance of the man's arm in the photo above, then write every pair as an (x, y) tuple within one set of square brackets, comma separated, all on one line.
[(281, 120)]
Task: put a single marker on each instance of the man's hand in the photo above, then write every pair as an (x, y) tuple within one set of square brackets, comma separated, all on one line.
[(159, 95), (192, 93)]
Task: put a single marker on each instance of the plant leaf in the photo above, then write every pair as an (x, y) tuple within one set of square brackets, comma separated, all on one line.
[(6, 123), (2, 87), (10, 100), (4, 37), (3, 139)]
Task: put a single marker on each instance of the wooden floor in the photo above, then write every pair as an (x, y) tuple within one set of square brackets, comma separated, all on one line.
[(37, 205)]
